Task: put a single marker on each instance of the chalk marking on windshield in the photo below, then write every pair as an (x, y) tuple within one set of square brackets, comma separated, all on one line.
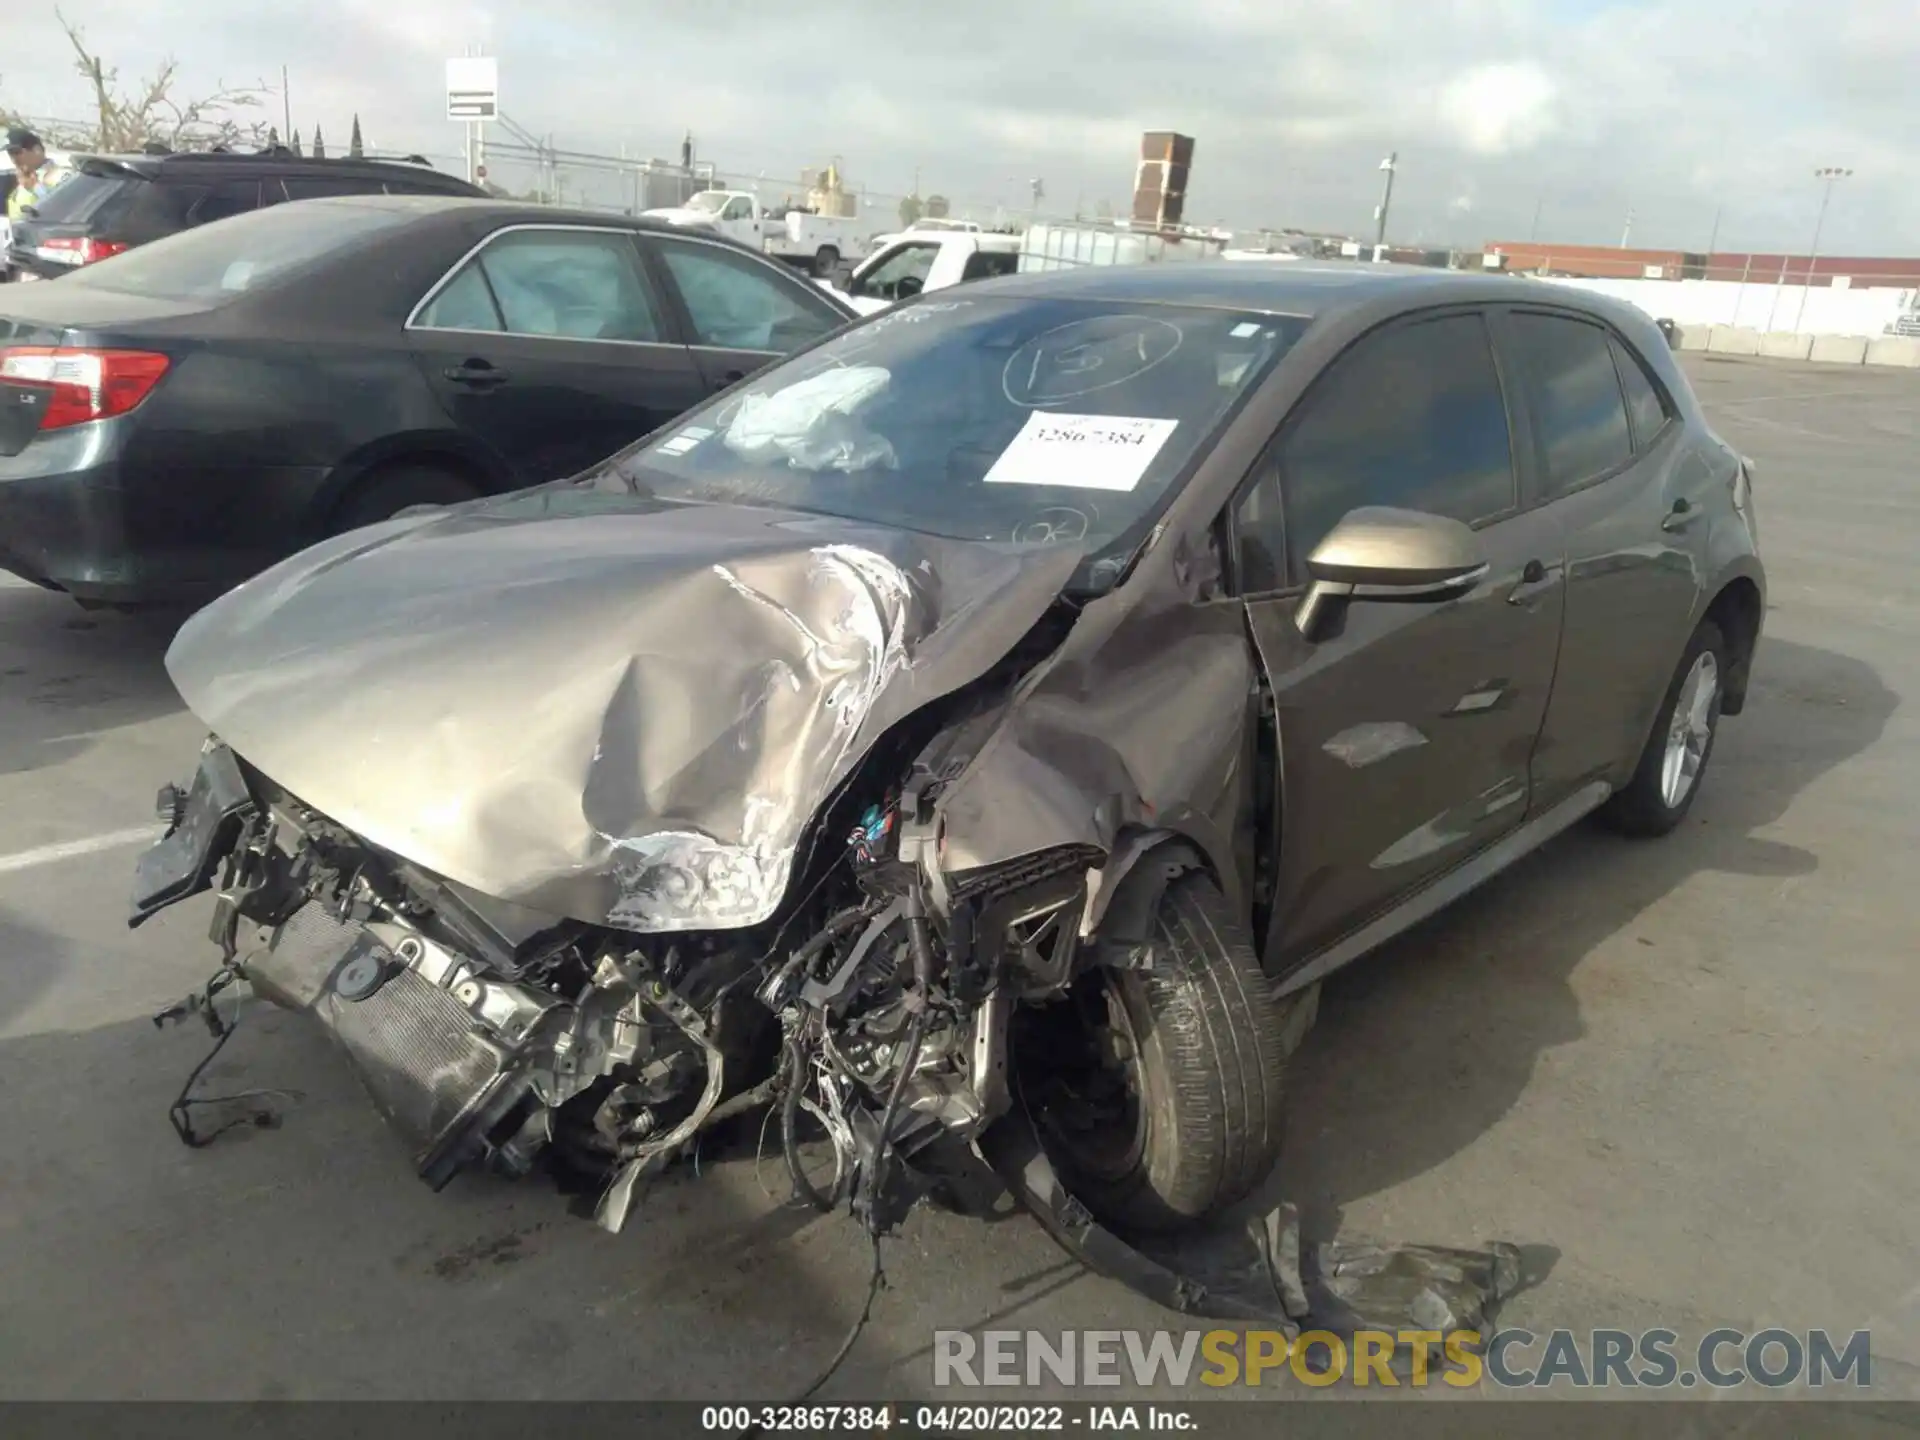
[(1061, 351)]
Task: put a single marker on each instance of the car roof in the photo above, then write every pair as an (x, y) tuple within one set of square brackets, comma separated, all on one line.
[(1300, 288), (499, 213), (152, 166), (525, 212)]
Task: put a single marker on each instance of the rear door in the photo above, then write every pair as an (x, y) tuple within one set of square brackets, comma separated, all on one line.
[(552, 345), (1406, 734), (739, 312), (1617, 475)]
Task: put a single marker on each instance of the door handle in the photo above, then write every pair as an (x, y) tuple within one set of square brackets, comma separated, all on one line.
[(477, 373), (1536, 578), (1683, 514)]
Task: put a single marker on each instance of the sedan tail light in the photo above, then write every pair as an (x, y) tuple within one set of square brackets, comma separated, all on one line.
[(86, 384), (80, 250)]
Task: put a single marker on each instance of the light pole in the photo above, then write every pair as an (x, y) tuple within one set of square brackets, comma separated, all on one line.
[(1829, 176), (1386, 199)]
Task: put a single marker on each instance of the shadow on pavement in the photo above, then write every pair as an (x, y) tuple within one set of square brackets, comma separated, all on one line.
[(67, 675), (1423, 1047), (308, 1261), (30, 960)]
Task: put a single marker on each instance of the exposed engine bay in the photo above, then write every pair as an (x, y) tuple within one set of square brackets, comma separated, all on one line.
[(875, 1015)]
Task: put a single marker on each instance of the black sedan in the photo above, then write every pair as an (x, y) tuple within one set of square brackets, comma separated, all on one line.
[(177, 418)]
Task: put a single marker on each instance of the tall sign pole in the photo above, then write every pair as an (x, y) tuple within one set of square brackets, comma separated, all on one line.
[(1386, 200), (473, 98)]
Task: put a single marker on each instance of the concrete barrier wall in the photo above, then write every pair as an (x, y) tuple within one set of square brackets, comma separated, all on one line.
[(1894, 350), (1732, 340), (1763, 308), (1838, 350), (1778, 345)]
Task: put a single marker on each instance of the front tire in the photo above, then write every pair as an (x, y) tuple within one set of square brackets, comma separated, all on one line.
[(1674, 762), (1183, 1112)]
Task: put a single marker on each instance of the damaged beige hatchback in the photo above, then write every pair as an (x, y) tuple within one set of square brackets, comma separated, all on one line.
[(988, 717)]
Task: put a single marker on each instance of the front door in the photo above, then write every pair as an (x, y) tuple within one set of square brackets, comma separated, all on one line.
[(550, 345), (739, 312), (1406, 729)]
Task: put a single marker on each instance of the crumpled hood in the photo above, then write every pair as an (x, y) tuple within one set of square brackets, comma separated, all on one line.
[(598, 705)]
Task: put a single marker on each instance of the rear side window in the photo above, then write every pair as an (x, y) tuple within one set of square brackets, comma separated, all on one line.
[(1578, 409), (423, 187), (1644, 406), (86, 198), (319, 187), (1411, 416), (561, 284), (464, 303), (225, 200), (246, 253)]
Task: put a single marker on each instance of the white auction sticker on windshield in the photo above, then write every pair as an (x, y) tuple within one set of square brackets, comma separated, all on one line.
[(683, 442), (1081, 452)]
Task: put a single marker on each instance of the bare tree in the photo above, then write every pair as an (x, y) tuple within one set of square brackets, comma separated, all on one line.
[(151, 113)]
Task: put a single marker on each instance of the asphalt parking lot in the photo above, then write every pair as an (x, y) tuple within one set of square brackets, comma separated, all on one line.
[(1686, 1066)]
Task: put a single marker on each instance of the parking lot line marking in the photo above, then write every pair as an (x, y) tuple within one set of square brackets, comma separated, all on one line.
[(73, 849)]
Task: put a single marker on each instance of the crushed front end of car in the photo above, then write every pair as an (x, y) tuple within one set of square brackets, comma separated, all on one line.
[(645, 826)]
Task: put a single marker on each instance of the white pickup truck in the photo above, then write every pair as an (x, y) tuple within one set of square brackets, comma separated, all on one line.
[(914, 261), (821, 242)]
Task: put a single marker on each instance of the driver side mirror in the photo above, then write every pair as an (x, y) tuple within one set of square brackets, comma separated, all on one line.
[(1380, 553)]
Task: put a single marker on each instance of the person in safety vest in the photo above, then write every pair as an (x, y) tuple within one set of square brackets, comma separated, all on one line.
[(34, 174)]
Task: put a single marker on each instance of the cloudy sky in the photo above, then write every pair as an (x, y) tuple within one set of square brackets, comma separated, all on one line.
[(1509, 116)]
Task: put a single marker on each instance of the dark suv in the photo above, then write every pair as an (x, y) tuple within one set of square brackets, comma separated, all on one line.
[(114, 202)]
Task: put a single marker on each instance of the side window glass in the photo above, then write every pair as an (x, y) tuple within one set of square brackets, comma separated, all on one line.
[(902, 274), (1578, 408), (464, 304), (738, 303), (985, 264), (1412, 417), (738, 208), (570, 285), (229, 197), (1644, 406), (316, 187), (1260, 537)]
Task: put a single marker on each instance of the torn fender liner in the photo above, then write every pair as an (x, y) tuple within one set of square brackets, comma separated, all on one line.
[(594, 704), (1260, 1273)]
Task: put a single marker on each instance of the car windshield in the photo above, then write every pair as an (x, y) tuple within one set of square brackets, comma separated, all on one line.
[(710, 202), (219, 261), (1031, 421)]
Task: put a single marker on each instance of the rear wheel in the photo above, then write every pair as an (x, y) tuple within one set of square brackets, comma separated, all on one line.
[(1158, 1093), (1668, 776), (386, 493)]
